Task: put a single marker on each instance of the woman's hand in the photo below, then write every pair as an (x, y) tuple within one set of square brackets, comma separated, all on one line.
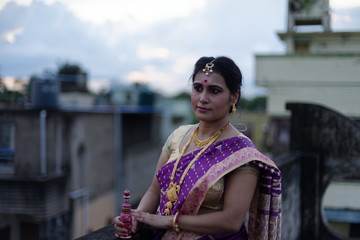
[(157, 221), (121, 230)]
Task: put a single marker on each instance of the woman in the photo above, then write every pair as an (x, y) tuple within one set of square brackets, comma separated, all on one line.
[(210, 175)]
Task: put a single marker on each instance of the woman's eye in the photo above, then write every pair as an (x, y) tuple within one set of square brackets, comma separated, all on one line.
[(214, 90), (197, 88)]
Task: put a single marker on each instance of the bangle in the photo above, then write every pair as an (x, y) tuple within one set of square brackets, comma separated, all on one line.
[(175, 222)]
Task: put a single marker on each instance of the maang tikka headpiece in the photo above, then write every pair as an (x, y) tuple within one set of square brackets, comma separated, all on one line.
[(208, 67)]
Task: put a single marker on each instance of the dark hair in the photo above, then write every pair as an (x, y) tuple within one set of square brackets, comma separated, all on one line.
[(226, 68)]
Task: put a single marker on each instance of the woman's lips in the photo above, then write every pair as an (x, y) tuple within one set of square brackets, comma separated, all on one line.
[(202, 109)]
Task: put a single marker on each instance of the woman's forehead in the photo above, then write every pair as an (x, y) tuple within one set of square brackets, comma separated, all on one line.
[(208, 79)]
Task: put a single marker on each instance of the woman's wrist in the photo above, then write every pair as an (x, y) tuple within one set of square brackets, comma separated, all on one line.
[(175, 225), (170, 222)]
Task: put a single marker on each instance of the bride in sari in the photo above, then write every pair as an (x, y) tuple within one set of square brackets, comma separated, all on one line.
[(209, 175)]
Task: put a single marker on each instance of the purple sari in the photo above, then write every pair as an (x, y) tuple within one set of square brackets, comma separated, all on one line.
[(217, 161)]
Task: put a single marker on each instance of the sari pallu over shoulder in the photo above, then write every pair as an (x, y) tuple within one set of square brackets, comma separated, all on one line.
[(217, 161)]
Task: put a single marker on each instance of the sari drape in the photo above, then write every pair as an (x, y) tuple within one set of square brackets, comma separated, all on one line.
[(218, 160)]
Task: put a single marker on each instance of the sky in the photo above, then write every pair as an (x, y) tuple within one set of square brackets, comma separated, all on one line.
[(155, 42)]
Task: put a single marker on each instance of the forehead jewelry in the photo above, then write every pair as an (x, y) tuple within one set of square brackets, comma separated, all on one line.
[(208, 67)]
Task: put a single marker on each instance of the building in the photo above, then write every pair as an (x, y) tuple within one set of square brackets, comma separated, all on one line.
[(342, 207), (319, 67), (64, 163), (63, 171), (322, 68)]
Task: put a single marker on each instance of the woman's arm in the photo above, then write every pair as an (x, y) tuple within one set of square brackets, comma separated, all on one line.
[(149, 201), (239, 190)]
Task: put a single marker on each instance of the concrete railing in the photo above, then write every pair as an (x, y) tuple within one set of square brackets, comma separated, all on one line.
[(108, 233), (105, 233), (324, 145)]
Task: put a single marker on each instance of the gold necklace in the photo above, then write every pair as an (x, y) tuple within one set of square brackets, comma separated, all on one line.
[(174, 188), (199, 143)]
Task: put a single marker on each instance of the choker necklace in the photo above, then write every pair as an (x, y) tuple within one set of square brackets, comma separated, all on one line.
[(174, 188), (199, 143)]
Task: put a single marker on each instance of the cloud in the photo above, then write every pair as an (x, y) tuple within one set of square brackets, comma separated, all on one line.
[(139, 13), (159, 46), (158, 80), (183, 64), (10, 36), (344, 4), (51, 34), (135, 12), (347, 19), (341, 18), (54, 33), (19, 2), (149, 52)]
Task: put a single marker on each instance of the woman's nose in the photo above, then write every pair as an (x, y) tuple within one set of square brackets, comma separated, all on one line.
[(203, 97)]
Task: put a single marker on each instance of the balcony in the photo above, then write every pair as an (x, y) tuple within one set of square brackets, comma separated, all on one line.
[(39, 197)]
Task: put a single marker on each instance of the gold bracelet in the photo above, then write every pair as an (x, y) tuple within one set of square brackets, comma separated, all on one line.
[(175, 222)]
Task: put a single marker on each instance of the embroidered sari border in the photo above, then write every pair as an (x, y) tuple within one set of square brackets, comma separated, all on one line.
[(229, 164), (218, 160)]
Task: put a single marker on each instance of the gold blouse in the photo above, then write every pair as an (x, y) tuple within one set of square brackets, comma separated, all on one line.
[(214, 198)]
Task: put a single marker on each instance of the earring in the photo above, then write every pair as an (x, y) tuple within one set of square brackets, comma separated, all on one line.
[(244, 127), (233, 110), (235, 123)]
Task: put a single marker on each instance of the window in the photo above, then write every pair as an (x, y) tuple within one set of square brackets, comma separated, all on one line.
[(7, 146), (301, 47)]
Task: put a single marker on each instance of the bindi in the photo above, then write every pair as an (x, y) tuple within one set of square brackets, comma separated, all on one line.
[(205, 80)]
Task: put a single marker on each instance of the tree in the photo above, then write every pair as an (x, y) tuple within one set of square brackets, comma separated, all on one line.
[(256, 104), (10, 97), (183, 95), (73, 78)]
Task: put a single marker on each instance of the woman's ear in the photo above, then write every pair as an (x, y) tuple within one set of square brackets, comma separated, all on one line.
[(235, 97)]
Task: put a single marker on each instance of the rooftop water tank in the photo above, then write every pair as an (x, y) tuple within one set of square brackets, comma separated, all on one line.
[(45, 92)]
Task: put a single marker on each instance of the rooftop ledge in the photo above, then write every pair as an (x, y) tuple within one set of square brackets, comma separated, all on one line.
[(108, 233), (105, 233)]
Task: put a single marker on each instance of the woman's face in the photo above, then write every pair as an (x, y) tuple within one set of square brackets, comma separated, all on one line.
[(210, 97)]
